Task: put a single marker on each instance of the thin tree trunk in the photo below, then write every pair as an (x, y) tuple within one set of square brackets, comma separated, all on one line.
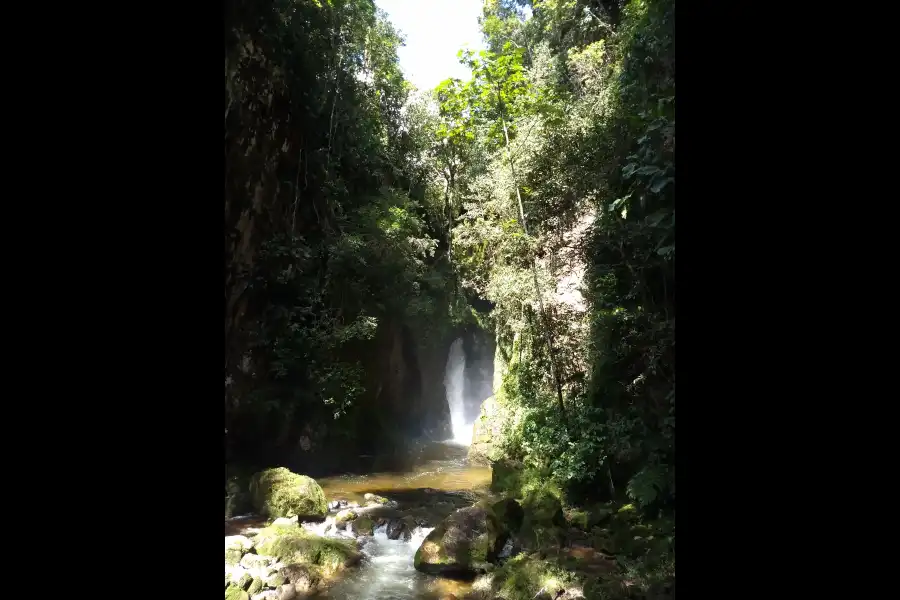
[(548, 336)]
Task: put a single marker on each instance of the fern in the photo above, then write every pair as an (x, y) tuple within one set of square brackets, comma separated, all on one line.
[(647, 484)]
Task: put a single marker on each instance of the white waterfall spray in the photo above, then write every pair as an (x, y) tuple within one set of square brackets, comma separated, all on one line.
[(454, 384)]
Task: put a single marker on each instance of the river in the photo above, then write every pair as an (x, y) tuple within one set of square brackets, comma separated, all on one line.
[(439, 481)]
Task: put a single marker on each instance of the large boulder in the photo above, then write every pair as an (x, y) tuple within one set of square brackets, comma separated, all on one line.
[(544, 522), (298, 546), (466, 542), (281, 493)]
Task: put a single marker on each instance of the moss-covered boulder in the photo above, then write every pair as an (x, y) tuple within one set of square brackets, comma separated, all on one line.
[(298, 546), (255, 587), (372, 499), (544, 522), (466, 542), (233, 592), (281, 493)]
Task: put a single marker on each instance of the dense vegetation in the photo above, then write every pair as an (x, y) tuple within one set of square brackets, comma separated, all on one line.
[(354, 204)]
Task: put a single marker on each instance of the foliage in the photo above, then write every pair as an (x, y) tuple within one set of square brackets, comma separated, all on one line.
[(331, 232)]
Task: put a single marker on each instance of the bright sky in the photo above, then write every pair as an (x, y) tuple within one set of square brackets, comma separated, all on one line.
[(435, 30)]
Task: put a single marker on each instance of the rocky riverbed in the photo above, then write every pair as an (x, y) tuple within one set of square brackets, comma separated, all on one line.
[(509, 537)]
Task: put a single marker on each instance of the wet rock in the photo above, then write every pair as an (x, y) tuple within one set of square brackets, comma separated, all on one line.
[(281, 493), (465, 543), (396, 528), (345, 515), (334, 505), (266, 595), (363, 525), (372, 499)]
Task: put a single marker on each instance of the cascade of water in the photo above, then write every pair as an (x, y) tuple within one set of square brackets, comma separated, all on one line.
[(454, 383)]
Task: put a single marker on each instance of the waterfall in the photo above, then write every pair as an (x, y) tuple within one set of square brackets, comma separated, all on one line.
[(454, 383)]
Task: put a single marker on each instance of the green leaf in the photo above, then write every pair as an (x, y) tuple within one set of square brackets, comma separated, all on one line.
[(665, 250), (659, 183), (648, 170)]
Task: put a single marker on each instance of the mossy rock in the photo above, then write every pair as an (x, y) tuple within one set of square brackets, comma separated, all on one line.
[(466, 542), (255, 587), (363, 525), (506, 477), (245, 581), (298, 546), (233, 592), (233, 556), (543, 508), (281, 493), (587, 518), (509, 513), (525, 577), (345, 515), (376, 499), (275, 579)]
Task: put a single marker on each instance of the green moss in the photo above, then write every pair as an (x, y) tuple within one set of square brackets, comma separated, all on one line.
[(255, 587), (345, 515), (543, 508), (274, 580), (233, 592), (523, 577), (300, 546), (233, 556), (244, 581), (281, 493), (586, 519), (506, 477)]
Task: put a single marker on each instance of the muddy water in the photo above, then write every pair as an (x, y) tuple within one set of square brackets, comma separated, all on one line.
[(440, 466)]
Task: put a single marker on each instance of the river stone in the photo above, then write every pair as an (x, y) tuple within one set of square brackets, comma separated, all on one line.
[(266, 595), (233, 592), (300, 576), (255, 587), (372, 498), (345, 515), (395, 529), (239, 542), (363, 525), (285, 522), (254, 561), (466, 542), (281, 493), (245, 580)]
